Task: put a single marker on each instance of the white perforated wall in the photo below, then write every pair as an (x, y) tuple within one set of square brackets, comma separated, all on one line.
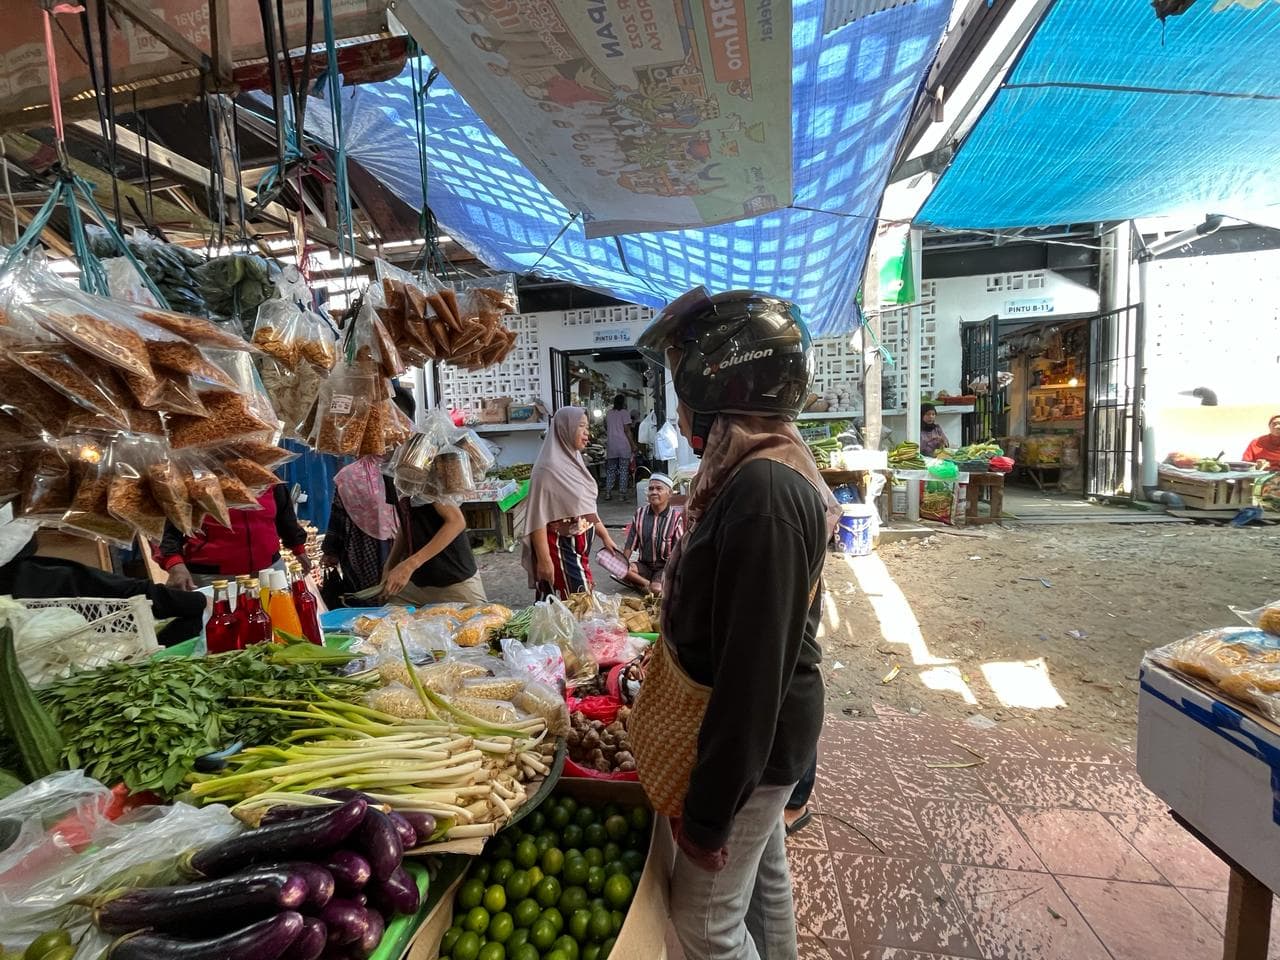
[(519, 376)]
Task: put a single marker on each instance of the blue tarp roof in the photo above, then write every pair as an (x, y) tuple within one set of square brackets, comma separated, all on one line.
[(1108, 115), (852, 93)]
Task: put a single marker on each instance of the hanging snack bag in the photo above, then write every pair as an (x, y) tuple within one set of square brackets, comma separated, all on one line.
[(478, 451), (204, 490), (196, 330), (253, 475), (46, 485), (30, 406), (89, 514), (129, 496), (168, 481), (241, 413), (342, 411), (317, 342), (269, 455)]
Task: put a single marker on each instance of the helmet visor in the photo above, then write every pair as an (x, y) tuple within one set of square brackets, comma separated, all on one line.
[(664, 333)]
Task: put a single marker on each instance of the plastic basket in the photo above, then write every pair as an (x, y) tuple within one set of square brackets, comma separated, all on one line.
[(118, 630)]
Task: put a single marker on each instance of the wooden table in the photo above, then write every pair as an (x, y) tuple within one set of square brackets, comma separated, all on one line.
[(1247, 929), (993, 483), (502, 518)]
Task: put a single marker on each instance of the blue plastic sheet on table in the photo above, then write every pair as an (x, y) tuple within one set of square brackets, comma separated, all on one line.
[(1108, 115), (852, 92), (342, 620), (314, 473)]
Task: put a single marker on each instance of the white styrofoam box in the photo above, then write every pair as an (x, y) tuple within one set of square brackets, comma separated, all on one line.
[(1216, 766)]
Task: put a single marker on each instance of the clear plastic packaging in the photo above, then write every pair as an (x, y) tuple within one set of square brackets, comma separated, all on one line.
[(169, 488), (342, 411), (553, 622), (129, 497), (543, 663), (253, 475), (196, 330), (479, 451), (205, 492), (452, 470), (89, 514), (478, 629), (46, 485)]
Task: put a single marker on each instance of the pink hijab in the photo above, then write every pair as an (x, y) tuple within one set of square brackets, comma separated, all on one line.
[(364, 495), (561, 485)]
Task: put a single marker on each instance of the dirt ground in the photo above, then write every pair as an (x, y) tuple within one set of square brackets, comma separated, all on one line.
[(991, 633)]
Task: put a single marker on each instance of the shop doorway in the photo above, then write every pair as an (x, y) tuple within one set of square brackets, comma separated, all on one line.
[(1113, 422), (592, 378), (980, 360)]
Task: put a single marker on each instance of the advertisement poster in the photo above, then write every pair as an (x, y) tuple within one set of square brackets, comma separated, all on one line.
[(642, 114)]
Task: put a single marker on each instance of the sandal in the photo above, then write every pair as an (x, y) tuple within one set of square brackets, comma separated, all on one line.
[(800, 822)]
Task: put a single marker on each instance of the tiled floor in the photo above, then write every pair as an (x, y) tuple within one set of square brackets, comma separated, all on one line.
[(935, 840)]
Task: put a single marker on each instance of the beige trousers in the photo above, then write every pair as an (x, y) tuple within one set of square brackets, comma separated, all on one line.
[(468, 591)]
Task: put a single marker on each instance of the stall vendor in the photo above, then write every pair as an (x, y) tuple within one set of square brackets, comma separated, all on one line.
[(431, 560), (932, 439), (1264, 452), (655, 531)]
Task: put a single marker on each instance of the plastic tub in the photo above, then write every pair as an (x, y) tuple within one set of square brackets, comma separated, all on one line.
[(854, 532)]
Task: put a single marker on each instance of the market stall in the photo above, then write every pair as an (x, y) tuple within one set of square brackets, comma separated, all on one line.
[(1209, 746), (1208, 486)]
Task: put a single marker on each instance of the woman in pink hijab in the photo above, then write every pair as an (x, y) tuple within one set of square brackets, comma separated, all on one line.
[(561, 521), (362, 524)]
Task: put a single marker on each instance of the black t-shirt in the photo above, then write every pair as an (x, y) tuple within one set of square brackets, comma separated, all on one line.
[(451, 565), (745, 625)]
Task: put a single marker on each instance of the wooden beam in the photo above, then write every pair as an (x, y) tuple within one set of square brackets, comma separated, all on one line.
[(48, 234), (220, 40), (177, 90), (163, 32)]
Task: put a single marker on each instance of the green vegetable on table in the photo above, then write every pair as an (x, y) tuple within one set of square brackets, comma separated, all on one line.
[(145, 724), (28, 725)]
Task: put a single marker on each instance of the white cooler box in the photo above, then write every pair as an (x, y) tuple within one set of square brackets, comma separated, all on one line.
[(1215, 766)]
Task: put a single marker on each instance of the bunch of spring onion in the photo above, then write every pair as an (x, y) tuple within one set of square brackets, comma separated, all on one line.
[(468, 773)]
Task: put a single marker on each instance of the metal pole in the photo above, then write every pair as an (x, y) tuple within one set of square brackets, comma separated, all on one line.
[(872, 362), (915, 334)]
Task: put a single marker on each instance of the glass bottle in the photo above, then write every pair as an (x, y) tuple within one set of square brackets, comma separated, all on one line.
[(283, 613), (264, 587), (255, 625), (221, 633), (305, 604)]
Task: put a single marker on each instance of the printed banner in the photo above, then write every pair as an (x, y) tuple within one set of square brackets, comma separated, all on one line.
[(642, 114)]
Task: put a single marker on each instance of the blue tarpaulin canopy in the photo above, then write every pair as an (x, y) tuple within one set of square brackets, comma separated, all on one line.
[(1108, 115), (852, 94)]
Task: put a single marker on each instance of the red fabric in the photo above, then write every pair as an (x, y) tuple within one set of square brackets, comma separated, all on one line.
[(1265, 448), (602, 708), (572, 769), (250, 544)]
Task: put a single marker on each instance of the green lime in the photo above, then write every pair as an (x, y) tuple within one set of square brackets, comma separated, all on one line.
[(467, 947), (501, 927), (526, 853), (618, 890), (595, 835), (606, 948), (63, 952), (555, 955), (633, 860), (599, 904), (613, 868), (559, 818), (575, 871), (573, 898), (449, 939), (495, 898), (595, 880), (492, 951), (518, 936), (535, 876), (591, 952), (538, 821), (571, 836), (601, 925), (46, 944), (552, 862), (617, 827), (542, 934), (635, 876), (502, 848), (637, 841), (477, 920), (616, 919), (471, 894), (640, 818), (594, 857), (611, 852), (555, 918), (518, 886), (527, 911), (569, 804), (481, 871), (545, 842), (566, 945), (524, 951), (610, 810), (585, 817), (548, 892), (580, 925), (501, 870)]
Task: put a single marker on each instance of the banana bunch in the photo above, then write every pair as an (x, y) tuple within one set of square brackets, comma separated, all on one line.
[(906, 456), (823, 449), (979, 451)]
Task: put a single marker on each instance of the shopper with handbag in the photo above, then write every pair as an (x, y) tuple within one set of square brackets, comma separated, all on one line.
[(729, 714)]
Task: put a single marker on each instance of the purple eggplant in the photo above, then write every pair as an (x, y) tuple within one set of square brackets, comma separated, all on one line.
[(284, 812), (363, 948), (408, 835), (320, 883), (424, 825), (397, 894), (213, 905), (341, 793), (345, 921), (265, 940), (350, 871), (310, 943), (294, 838), (379, 842)]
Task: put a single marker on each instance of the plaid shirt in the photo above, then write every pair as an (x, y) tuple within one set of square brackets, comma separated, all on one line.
[(654, 533)]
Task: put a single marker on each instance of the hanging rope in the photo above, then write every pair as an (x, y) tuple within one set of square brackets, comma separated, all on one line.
[(346, 225)]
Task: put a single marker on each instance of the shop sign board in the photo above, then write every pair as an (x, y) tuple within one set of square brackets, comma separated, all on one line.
[(642, 115), (1028, 307), (610, 338)]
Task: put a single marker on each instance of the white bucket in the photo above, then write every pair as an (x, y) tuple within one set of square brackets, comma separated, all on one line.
[(855, 532)]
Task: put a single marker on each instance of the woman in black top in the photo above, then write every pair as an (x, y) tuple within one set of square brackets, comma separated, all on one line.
[(741, 367), (431, 560)]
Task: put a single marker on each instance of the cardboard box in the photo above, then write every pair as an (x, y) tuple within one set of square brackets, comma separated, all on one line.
[(1214, 765), (643, 935), (495, 410)]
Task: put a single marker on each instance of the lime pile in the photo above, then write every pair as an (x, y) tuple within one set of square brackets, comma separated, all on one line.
[(555, 886)]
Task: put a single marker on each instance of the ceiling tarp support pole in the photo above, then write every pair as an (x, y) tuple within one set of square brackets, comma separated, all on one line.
[(170, 37)]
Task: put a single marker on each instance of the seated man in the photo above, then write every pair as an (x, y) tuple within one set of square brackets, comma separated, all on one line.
[(656, 529)]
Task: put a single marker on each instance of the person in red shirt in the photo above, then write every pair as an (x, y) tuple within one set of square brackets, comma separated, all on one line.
[(251, 543), (1264, 452)]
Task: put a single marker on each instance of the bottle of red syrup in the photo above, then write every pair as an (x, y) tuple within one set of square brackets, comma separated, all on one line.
[(305, 604), (255, 625), (222, 632)]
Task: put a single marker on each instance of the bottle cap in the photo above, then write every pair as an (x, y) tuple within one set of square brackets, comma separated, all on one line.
[(264, 576), (251, 583), (219, 584), (278, 581)]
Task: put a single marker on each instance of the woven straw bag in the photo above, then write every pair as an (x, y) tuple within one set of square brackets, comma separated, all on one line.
[(663, 729)]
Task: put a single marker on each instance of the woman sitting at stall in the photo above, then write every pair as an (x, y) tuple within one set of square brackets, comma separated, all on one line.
[(932, 439), (562, 521), (1264, 452)]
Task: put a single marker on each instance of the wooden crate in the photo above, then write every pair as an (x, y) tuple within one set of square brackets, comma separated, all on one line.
[(1209, 494)]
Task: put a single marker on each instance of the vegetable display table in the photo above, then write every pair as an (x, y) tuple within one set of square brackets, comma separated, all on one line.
[(993, 483), (503, 518)]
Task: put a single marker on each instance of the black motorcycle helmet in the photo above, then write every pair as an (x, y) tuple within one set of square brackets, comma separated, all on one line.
[(740, 352)]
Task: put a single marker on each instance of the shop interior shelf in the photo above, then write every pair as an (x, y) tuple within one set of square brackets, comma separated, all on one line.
[(1055, 389)]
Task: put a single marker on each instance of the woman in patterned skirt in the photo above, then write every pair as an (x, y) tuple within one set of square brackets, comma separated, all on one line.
[(562, 522)]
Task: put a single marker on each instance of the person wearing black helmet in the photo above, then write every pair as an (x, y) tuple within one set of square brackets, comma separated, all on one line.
[(741, 365)]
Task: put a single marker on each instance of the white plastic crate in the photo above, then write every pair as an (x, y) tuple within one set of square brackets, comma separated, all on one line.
[(117, 631)]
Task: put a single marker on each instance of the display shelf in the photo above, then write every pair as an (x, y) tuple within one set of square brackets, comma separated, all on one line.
[(942, 408), (831, 415), (1055, 389), (508, 427)]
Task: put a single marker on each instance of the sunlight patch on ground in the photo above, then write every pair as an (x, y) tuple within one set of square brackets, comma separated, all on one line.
[(898, 623), (948, 680), (1023, 683)]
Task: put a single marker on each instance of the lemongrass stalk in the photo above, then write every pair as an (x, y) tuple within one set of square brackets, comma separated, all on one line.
[(471, 831), (501, 804), (289, 769), (478, 809), (533, 760)]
